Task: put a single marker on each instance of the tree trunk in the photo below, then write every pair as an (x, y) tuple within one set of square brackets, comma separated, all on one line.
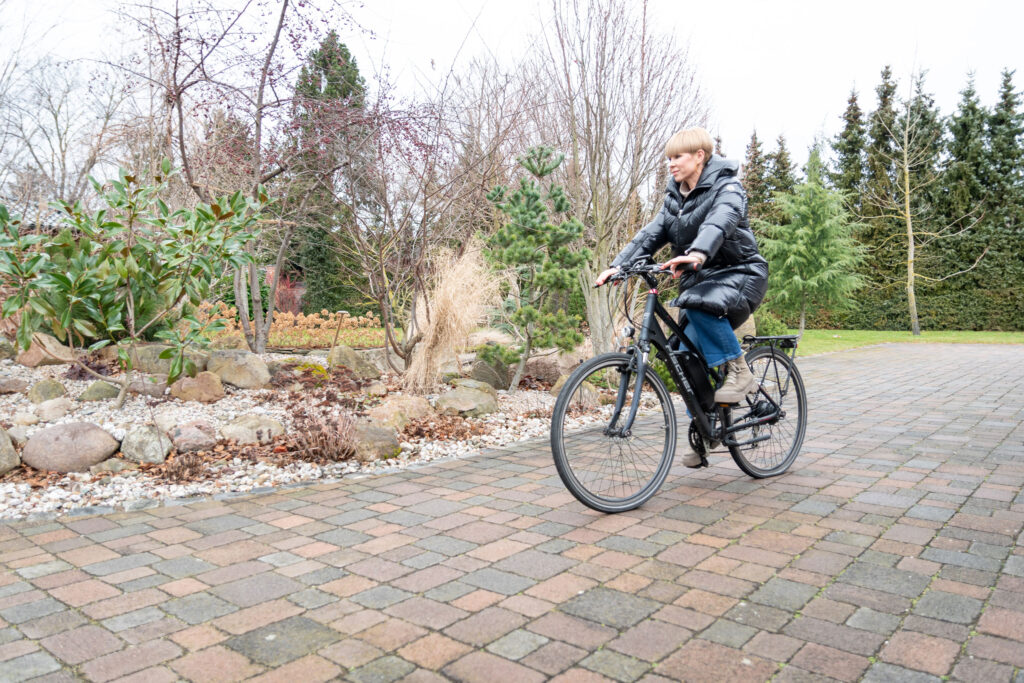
[(600, 312), (803, 317), (521, 365), (915, 326)]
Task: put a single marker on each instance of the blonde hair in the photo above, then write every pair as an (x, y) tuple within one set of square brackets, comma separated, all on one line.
[(689, 140)]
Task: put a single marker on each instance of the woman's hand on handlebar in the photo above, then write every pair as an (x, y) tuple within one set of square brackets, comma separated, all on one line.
[(603, 277), (684, 263)]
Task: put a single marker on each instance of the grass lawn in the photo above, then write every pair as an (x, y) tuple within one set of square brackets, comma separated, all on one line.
[(820, 341)]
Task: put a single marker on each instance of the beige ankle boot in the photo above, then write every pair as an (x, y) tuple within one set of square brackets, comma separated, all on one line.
[(738, 382), (691, 459)]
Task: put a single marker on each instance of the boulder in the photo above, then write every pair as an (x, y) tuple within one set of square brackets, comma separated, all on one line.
[(45, 390), (496, 374), (587, 393), (13, 386), (375, 443), (7, 350), (347, 357), (554, 363), (375, 389), (18, 434), (25, 419), (99, 391), (71, 447), (113, 466), (45, 350), (379, 358), (466, 402), (204, 387), (242, 369), (476, 384), (146, 443), (398, 411), (169, 416), (146, 358), (149, 385), (252, 429), (488, 336), (194, 436), (8, 456), (54, 409)]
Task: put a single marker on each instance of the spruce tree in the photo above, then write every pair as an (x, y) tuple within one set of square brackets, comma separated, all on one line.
[(848, 175), (755, 178), (1003, 177), (329, 82), (781, 178), (812, 254)]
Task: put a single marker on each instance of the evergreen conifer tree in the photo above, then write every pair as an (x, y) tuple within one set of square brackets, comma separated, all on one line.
[(781, 178), (812, 253), (755, 178), (848, 175), (328, 82)]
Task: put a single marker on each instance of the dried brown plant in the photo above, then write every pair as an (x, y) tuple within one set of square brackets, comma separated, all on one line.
[(323, 439)]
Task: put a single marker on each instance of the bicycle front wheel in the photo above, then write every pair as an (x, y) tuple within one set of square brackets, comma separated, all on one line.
[(770, 448), (604, 470)]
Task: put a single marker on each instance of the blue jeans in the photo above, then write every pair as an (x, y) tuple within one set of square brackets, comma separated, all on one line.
[(713, 336)]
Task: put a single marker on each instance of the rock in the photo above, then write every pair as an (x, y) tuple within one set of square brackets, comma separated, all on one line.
[(8, 456), (204, 387), (45, 350), (488, 336), (7, 350), (99, 391), (146, 443), (242, 369), (146, 358), (25, 419), (347, 357), (553, 364), (252, 429), (476, 384), (18, 434), (54, 409), (13, 386), (398, 411), (466, 402), (375, 389), (194, 436), (588, 393), (113, 466), (375, 443), (379, 358), (45, 390), (71, 447), (496, 374), (149, 385)]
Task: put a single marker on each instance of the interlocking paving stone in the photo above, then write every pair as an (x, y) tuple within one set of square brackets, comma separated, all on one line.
[(609, 607), (517, 644), (28, 666), (948, 607), (197, 608), (283, 641), (866, 575), (788, 595)]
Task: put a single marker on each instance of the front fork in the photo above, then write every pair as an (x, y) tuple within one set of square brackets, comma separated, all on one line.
[(638, 365)]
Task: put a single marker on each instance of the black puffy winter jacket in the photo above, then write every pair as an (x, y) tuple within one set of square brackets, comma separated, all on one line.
[(712, 219)]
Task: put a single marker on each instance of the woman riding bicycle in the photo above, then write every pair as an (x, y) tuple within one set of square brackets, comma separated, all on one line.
[(704, 217)]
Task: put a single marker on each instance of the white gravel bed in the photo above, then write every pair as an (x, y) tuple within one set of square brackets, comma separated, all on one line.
[(84, 493)]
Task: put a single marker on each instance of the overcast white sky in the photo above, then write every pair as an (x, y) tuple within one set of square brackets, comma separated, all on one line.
[(780, 66)]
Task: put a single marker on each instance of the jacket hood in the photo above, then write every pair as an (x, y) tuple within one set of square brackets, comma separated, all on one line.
[(717, 166)]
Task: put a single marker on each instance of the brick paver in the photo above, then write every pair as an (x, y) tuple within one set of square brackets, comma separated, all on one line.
[(890, 551)]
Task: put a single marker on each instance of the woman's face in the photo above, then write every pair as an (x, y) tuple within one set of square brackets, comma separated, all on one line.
[(686, 166)]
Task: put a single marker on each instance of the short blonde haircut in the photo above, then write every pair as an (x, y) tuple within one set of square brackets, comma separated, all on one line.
[(689, 140)]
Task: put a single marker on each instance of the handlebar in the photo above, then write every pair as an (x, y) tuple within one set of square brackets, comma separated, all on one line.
[(645, 268)]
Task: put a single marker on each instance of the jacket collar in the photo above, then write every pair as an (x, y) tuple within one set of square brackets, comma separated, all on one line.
[(715, 167)]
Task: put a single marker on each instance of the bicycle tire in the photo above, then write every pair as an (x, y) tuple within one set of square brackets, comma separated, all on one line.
[(779, 378), (611, 473)]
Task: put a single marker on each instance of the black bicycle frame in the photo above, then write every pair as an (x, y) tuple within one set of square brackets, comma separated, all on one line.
[(651, 334)]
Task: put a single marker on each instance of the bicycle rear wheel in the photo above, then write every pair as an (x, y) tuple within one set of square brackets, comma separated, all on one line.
[(604, 471), (781, 385)]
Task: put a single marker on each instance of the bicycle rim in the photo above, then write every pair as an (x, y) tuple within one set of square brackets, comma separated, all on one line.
[(780, 382), (604, 472)]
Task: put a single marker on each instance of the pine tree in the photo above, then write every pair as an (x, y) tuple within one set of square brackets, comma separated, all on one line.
[(537, 250), (812, 254), (755, 178), (328, 82), (848, 175), (781, 178)]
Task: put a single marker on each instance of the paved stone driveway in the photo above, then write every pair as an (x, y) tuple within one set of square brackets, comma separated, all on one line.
[(889, 552)]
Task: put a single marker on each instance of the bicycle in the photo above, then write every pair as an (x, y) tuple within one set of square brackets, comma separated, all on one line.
[(614, 430)]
